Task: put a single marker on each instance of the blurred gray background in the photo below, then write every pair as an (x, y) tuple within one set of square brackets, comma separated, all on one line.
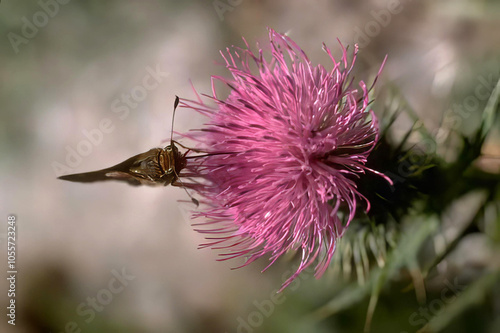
[(66, 70)]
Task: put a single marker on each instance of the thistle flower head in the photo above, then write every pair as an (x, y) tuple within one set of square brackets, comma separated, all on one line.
[(290, 141)]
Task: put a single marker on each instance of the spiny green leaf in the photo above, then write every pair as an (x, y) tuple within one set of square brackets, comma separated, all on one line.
[(404, 254), (405, 251)]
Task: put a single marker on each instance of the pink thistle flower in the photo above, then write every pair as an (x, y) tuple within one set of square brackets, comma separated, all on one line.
[(291, 140)]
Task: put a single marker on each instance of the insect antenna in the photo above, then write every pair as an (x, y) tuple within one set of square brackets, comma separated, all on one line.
[(176, 103), (172, 141)]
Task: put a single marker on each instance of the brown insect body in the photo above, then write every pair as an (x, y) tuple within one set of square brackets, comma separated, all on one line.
[(155, 167)]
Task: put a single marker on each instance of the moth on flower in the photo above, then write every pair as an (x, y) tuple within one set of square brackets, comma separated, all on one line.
[(290, 141)]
